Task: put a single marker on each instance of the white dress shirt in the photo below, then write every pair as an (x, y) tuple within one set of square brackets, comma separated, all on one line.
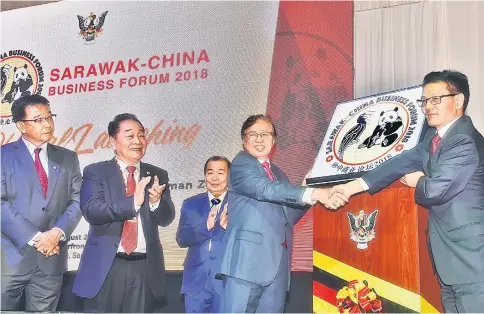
[(44, 160), (141, 245)]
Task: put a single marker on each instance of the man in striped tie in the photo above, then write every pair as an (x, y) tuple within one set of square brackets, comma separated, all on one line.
[(202, 227), (40, 209), (124, 200)]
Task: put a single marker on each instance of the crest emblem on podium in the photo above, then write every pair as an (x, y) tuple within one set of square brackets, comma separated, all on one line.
[(362, 228)]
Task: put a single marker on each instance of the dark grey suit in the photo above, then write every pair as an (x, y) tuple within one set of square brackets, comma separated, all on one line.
[(25, 211), (453, 190)]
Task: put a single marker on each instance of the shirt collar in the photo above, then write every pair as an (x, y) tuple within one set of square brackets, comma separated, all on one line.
[(264, 160), (446, 127), (31, 147), (123, 165), (221, 197)]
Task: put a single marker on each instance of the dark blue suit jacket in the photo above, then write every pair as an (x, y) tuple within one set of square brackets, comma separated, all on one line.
[(26, 211), (105, 206), (192, 233)]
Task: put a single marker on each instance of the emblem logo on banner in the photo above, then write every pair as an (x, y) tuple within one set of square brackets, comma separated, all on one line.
[(362, 228), (366, 132), (21, 75), (91, 27)]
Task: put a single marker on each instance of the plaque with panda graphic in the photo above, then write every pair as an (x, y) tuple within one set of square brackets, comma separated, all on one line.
[(365, 132)]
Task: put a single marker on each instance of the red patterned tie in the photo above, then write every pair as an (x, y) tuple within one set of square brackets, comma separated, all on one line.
[(44, 181), (129, 238), (267, 168), (435, 142)]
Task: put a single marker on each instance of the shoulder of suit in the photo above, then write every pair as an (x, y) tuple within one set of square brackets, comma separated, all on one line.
[(243, 157), (62, 150), (196, 198), (153, 168), (98, 165), (7, 147), (7, 153)]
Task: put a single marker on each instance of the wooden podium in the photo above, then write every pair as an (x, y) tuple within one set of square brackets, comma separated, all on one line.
[(394, 272)]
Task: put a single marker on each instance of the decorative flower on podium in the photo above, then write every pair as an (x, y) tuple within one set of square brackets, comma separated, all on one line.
[(362, 228), (358, 298)]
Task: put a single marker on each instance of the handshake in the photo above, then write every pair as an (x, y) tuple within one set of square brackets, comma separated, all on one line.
[(337, 196)]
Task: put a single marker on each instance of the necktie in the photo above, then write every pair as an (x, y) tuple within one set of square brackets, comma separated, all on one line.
[(435, 142), (267, 168), (44, 181), (129, 237), (215, 202)]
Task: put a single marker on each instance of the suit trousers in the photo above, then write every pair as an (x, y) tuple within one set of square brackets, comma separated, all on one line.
[(41, 291), (463, 298), (241, 296), (206, 301), (126, 289)]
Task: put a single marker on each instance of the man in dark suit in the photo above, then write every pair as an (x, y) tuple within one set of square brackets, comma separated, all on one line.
[(264, 207), (124, 200), (202, 227), (40, 209), (447, 171)]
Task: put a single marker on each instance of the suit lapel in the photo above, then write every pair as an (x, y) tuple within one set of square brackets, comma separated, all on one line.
[(278, 174), (205, 208), (222, 205), (24, 157), (55, 161), (144, 172), (114, 172), (451, 131)]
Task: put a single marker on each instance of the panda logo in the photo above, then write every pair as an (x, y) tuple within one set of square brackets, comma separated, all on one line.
[(386, 132), (22, 85)]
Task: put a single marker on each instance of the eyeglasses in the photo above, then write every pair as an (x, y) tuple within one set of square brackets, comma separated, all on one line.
[(434, 100), (41, 120), (254, 135)]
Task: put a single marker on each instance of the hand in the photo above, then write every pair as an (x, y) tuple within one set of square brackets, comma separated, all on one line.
[(211, 218), (139, 193), (224, 217), (348, 189), (55, 251), (47, 242), (156, 190), (411, 179), (334, 202)]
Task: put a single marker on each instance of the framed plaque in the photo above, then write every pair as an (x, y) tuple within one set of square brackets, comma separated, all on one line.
[(365, 132)]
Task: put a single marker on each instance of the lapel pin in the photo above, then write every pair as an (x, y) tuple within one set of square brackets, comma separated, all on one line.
[(147, 172), (54, 167)]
